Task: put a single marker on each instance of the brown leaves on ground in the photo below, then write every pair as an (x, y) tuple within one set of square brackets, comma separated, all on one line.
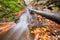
[(4, 27)]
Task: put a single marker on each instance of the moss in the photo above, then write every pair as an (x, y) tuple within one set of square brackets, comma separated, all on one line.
[(9, 7)]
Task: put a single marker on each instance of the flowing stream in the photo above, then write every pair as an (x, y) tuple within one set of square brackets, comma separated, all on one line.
[(20, 30)]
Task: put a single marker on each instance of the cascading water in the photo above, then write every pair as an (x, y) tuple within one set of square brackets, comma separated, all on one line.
[(20, 30)]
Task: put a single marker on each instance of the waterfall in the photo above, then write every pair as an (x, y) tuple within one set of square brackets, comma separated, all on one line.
[(20, 30)]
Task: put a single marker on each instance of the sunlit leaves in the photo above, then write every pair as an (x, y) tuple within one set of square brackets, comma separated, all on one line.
[(9, 7)]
